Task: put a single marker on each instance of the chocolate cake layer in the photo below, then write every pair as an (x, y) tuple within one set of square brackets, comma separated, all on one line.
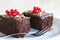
[(23, 26), (11, 26), (40, 22)]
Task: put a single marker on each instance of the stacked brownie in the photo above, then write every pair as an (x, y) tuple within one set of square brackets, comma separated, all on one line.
[(10, 25), (39, 22)]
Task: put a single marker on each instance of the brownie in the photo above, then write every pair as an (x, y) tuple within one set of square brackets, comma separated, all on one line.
[(9, 25), (23, 26), (40, 22)]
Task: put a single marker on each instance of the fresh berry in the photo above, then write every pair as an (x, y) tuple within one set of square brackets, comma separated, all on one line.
[(40, 10), (36, 10), (7, 12), (17, 13), (37, 7), (12, 11)]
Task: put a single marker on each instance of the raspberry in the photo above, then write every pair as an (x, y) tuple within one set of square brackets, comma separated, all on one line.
[(15, 12), (7, 12), (40, 10), (35, 8), (34, 12), (12, 12)]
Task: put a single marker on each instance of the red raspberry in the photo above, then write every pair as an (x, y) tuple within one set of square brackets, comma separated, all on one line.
[(35, 8), (15, 13), (35, 12), (12, 11), (39, 9), (7, 12)]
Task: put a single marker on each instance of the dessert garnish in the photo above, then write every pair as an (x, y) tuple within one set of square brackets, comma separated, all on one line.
[(12, 12), (36, 10), (8, 12)]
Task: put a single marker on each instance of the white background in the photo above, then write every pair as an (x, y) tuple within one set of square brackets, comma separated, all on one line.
[(51, 6)]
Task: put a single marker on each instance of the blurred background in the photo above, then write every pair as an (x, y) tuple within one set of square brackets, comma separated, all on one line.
[(50, 6)]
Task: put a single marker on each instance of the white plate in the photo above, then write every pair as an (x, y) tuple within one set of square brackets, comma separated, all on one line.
[(49, 34)]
